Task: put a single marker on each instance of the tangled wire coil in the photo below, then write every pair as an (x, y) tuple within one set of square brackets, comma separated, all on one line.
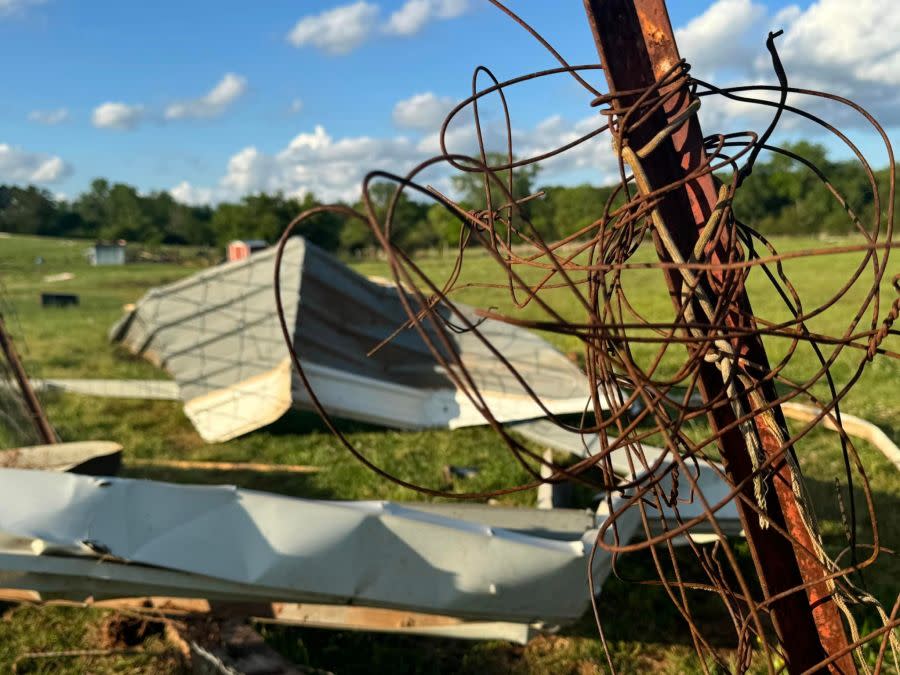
[(718, 393)]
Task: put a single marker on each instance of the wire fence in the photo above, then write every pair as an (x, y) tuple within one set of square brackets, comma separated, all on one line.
[(649, 375)]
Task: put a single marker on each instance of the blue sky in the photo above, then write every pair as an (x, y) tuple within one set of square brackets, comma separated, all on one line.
[(216, 99)]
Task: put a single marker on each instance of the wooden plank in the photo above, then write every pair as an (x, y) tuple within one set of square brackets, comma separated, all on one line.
[(200, 465)]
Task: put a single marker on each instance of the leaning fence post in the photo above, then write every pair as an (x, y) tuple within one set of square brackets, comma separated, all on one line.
[(637, 49), (38, 416)]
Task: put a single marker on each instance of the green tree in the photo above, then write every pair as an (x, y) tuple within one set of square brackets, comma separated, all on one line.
[(127, 217), (409, 227), (29, 210), (92, 206), (781, 196), (470, 186), (323, 229), (445, 225), (566, 210)]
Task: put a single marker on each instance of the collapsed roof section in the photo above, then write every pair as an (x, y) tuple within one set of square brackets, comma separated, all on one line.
[(217, 333), (225, 542)]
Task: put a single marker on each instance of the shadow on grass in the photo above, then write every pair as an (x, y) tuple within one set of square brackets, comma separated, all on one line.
[(283, 483), (299, 422), (879, 579)]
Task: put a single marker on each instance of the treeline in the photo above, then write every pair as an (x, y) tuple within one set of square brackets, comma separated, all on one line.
[(781, 197)]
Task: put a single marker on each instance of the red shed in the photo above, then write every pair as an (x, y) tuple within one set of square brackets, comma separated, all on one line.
[(242, 248)]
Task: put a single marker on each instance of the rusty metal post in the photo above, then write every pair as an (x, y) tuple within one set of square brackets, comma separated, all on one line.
[(637, 49), (38, 417)]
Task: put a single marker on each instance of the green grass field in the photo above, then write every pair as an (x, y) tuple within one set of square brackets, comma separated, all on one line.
[(644, 633)]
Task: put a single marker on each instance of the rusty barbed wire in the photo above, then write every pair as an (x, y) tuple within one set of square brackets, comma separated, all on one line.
[(645, 373)]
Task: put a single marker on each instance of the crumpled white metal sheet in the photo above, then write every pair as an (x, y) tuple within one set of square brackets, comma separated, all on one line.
[(377, 554), (89, 579), (708, 475)]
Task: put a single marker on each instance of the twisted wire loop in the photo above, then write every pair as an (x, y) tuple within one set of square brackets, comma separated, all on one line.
[(644, 369)]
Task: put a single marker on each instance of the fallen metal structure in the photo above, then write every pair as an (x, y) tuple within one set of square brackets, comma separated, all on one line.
[(155, 390), (94, 458), (217, 333), (72, 536), (709, 476)]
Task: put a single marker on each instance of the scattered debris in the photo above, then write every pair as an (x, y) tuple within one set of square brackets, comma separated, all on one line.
[(852, 425), (119, 630), (59, 300), (199, 616), (243, 651), (463, 472), (198, 465), (54, 278), (376, 620), (161, 390), (93, 458)]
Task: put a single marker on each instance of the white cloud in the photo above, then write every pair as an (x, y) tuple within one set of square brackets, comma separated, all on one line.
[(49, 117), (719, 39), (186, 193), (312, 162), (344, 28), (847, 48), (837, 41), (212, 104), (125, 116), (461, 137), (415, 14), (50, 170), (115, 115), (8, 7), (249, 171), (336, 31), (410, 18), (422, 111), (332, 169), (844, 47), (19, 166), (787, 15), (296, 106), (594, 157)]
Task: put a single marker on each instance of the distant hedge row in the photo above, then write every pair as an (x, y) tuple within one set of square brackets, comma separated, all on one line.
[(781, 197)]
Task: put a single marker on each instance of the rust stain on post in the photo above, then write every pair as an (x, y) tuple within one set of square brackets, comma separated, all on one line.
[(654, 21), (637, 48)]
